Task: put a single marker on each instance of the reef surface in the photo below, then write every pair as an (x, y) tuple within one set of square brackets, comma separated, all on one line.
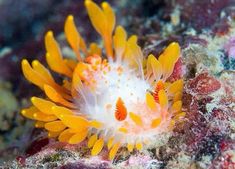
[(204, 29)]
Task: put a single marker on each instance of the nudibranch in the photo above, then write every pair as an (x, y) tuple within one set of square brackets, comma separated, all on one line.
[(113, 96)]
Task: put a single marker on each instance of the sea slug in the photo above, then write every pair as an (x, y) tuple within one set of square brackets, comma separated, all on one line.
[(112, 97)]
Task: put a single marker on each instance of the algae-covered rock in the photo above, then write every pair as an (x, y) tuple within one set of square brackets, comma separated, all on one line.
[(204, 29), (8, 109)]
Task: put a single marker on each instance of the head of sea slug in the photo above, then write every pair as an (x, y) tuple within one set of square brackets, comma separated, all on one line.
[(111, 96)]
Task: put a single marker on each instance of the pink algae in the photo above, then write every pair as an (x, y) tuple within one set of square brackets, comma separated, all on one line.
[(178, 71), (36, 146), (204, 84), (21, 160)]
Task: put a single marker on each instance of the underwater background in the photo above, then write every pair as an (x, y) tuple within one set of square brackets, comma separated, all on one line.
[(205, 30)]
